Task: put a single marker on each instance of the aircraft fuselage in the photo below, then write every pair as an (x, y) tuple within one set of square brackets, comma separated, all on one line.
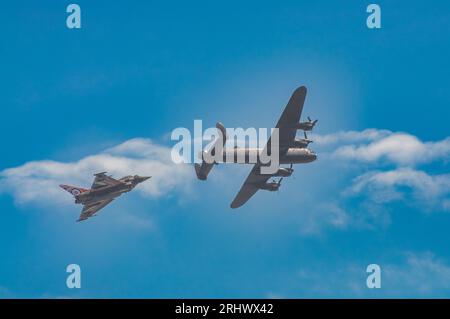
[(291, 155), (108, 192)]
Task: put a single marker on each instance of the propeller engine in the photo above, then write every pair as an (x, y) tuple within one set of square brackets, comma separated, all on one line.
[(271, 186), (284, 172), (313, 122), (303, 142), (307, 125)]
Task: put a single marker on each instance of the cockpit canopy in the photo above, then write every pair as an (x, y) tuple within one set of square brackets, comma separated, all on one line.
[(128, 178)]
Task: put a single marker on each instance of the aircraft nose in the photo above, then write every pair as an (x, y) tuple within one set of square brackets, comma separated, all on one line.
[(143, 178), (312, 156)]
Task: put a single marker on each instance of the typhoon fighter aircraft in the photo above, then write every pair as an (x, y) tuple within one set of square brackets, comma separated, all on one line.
[(103, 191), (292, 150)]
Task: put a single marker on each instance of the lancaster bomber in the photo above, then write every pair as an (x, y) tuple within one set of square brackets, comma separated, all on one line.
[(103, 191), (291, 151)]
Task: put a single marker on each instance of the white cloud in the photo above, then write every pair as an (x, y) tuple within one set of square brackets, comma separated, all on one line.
[(397, 148), (388, 186), (345, 137), (39, 180), (421, 274), (369, 152), (335, 193)]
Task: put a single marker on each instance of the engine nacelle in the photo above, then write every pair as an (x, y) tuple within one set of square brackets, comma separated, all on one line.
[(271, 187), (284, 172), (307, 125), (301, 142)]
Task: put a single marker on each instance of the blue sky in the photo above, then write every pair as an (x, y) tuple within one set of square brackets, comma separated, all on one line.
[(74, 101)]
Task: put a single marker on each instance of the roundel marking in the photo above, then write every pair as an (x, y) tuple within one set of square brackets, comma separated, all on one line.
[(75, 192)]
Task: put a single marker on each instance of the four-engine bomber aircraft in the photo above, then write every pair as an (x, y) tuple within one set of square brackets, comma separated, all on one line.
[(291, 151), (103, 191)]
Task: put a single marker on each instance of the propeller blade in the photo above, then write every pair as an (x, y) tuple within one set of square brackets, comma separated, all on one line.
[(309, 119), (279, 182), (314, 123), (304, 133)]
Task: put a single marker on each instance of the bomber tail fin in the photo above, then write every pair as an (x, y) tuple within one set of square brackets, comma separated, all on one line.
[(202, 170)]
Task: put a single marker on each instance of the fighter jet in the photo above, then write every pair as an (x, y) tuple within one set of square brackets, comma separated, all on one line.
[(291, 151), (103, 191)]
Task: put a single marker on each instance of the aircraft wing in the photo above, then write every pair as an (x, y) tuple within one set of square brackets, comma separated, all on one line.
[(102, 180), (287, 130), (91, 209), (249, 188), (291, 117)]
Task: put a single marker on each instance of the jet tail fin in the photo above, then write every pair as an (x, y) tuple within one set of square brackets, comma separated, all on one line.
[(75, 191)]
